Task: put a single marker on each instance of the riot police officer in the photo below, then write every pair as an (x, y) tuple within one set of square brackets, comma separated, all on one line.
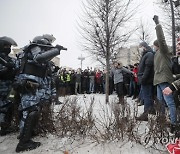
[(34, 85), (7, 74)]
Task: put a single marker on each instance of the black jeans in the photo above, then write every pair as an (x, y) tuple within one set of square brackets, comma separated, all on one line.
[(120, 89)]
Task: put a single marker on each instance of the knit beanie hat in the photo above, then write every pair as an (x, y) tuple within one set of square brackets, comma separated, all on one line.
[(143, 44), (156, 43)]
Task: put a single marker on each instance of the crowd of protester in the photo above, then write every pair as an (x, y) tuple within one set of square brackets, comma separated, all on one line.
[(152, 78), (70, 82), (87, 81)]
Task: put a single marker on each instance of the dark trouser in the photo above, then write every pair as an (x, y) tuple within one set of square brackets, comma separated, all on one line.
[(147, 94), (176, 95), (131, 88), (25, 142), (120, 91), (136, 89), (98, 87), (78, 87), (6, 118), (28, 123)]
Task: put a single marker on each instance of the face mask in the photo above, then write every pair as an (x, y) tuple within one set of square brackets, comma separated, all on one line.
[(155, 49), (141, 50), (6, 51)]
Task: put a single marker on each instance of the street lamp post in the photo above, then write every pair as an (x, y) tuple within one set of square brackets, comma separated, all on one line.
[(173, 28), (173, 23), (81, 59)]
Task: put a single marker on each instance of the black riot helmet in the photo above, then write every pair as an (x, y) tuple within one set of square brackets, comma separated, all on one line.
[(6, 43), (40, 40), (45, 39), (49, 37)]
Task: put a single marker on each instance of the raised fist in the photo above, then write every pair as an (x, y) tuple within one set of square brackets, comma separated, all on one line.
[(156, 19), (59, 47)]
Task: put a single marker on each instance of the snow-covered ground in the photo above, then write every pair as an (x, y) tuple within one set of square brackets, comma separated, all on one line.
[(52, 144)]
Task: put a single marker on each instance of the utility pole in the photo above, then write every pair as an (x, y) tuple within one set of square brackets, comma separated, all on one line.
[(81, 59), (177, 3), (173, 28)]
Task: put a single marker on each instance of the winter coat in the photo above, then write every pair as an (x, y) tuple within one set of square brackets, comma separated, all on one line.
[(146, 68), (118, 74), (162, 60), (85, 79), (98, 77), (126, 78), (78, 77), (73, 78), (176, 65), (135, 70)]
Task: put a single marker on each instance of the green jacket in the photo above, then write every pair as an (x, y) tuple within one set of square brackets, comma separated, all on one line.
[(162, 60)]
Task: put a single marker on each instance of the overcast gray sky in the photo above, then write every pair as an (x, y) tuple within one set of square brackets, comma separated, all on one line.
[(24, 19)]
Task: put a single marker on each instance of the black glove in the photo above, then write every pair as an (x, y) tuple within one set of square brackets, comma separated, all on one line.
[(59, 47), (56, 69), (156, 19)]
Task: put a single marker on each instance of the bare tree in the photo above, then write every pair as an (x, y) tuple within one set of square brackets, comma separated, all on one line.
[(167, 14), (144, 32), (104, 30)]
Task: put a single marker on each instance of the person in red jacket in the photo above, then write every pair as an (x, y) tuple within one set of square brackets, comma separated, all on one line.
[(136, 86), (98, 81)]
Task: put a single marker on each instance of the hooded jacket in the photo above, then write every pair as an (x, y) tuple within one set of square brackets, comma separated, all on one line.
[(162, 60), (118, 73), (146, 66)]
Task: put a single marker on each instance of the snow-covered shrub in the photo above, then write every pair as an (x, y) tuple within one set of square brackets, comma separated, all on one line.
[(72, 119)]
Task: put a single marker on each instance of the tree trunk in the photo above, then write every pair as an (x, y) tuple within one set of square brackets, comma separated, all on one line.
[(107, 79), (107, 51)]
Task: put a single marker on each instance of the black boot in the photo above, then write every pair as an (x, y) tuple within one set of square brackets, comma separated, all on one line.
[(34, 134), (25, 142), (6, 125), (29, 145), (152, 111), (5, 129), (172, 128), (177, 134), (143, 117), (58, 102)]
